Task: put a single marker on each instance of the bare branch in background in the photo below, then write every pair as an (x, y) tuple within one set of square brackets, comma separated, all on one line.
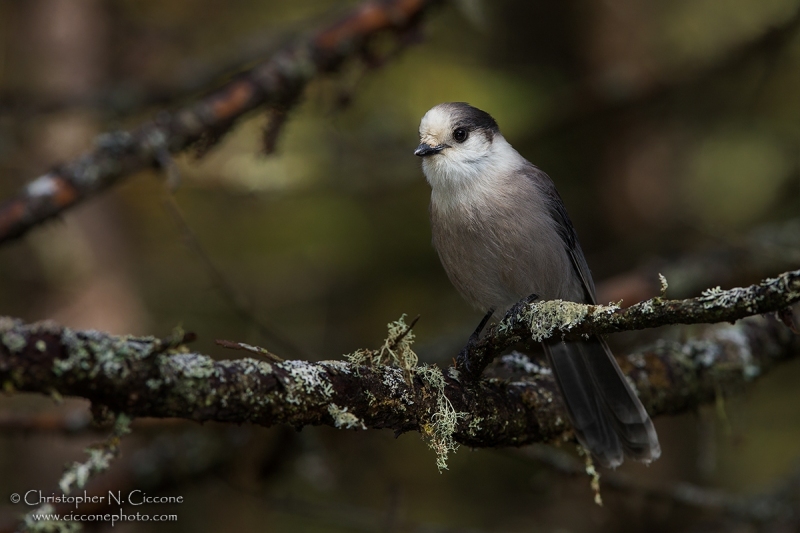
[(77, 475), (277, 82), (225, 288), (753, 255), (76, 421), (775, 504), (184, 454)]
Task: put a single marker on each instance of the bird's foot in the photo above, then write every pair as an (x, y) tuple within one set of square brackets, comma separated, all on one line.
[(462, 361), (517, 309)]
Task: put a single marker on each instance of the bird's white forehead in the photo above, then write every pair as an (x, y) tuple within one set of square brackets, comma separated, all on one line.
[(436, 121)]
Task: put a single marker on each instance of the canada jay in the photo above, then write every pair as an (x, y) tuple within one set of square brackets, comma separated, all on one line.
[(502, 233)]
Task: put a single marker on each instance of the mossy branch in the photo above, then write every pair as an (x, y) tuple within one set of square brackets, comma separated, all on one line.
[(146, 377), (558, 319)]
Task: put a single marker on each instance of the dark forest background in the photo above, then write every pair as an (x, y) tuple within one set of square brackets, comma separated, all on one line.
[(669, 126)]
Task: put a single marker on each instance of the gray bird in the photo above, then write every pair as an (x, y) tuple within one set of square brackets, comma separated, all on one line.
[(502, 233)]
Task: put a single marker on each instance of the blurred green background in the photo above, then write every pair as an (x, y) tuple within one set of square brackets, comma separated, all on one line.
[(670, 127)]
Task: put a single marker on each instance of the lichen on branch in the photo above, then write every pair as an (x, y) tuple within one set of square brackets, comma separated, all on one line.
[(440, 425), (541, 320), (148, 377)]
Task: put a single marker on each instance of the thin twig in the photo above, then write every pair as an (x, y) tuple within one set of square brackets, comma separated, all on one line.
[(220, 282), (258, 350), (78, 474), (759, 508)]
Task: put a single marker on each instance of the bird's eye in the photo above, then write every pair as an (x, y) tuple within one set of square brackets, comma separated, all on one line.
[(460, 135)]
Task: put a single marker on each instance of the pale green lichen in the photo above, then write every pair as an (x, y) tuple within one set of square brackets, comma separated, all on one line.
[(664, 285), (550, 316), (186, 375), (637, 360), (7, 323), (371, 399), (254, 366), (13, 341), (592, 472), (474, 426), (396, 349), (703, 351), (342, 419), (787, 284), (99, 354), (40, 525), (78, 474), (361, 357), (305, 378), (99, 458), (453, 373), (521, 362), (397, 354), (739, 339), (339, 366), (442, 424), (222, 370), (396, 381), (191, 366), (646, 307), (716, 298), (77, 356), (200, 368)]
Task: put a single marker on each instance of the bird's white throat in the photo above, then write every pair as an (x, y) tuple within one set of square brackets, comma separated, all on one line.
[(470, 179)]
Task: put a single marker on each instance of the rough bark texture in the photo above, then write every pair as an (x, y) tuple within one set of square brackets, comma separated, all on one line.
[(150, 377), (277, 82), (542, 320)]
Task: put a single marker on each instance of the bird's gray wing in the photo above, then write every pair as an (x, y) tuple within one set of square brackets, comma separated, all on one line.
[(567, 232), (607, 415), (565, 229)]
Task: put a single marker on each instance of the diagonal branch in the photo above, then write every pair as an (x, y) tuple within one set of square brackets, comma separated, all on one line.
[(277, 83), (544, 320), (772, 247)]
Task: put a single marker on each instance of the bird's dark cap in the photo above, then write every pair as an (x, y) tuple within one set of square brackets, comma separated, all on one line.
[(471, 118)]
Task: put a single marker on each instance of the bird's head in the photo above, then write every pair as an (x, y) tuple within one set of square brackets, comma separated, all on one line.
[(456, 142)]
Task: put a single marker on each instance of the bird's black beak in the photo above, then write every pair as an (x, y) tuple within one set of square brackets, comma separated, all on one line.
[(426, 149)]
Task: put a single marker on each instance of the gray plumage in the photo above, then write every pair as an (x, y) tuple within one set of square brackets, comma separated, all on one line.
[(502, 233)]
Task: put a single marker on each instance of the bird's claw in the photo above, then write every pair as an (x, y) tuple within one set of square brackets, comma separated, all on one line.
[(518, 307), (463, 355)]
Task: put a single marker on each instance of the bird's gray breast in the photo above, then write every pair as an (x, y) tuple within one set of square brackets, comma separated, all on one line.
[(500, 244)]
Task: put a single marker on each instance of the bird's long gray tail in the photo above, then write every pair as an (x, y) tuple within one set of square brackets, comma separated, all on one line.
[(608, 418)]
